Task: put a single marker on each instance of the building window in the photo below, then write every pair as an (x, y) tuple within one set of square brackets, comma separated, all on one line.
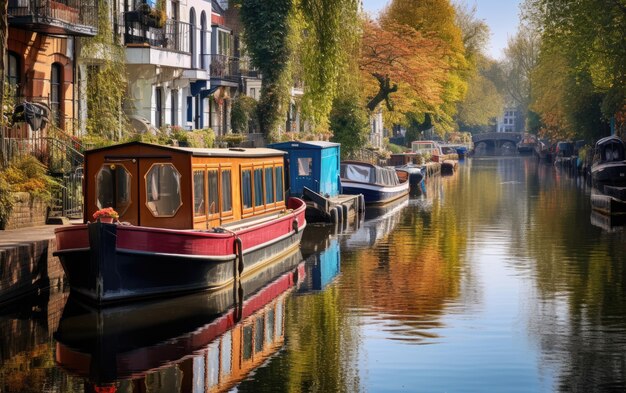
[(13, 73), (204, 64), (55, 94), (189, 108), (174, 109), (192, 38), (253, 92), (224, 41), (158, 112)]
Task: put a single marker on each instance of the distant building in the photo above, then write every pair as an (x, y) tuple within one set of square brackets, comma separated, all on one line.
[(376, 128), (507, 122)]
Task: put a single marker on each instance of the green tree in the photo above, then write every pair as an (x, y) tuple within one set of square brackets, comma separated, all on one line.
[(331, 28), (482, 103), (269, 29), (521, 57), (349, 124), (243, 114), (107, 83), (591, 32), (437, 18)]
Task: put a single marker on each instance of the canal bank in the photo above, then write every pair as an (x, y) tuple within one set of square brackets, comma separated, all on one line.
[(26, 262)]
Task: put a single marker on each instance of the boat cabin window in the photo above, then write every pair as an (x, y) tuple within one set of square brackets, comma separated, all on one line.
[(280, 192), (163, 190), (262, 187), (613, 152), (269, 185), (305, 166), (113, 188), (258, 187), (198, 193), (214, 196), (209, 185), (246, 188), (227, 192)]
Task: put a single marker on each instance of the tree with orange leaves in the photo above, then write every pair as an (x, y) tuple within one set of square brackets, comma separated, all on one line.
[(400, 59)]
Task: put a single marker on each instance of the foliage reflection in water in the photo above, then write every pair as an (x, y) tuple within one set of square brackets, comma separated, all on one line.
[(498, 278)]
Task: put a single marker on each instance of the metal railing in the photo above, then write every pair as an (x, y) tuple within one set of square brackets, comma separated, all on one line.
[(174, 35), (224, 67), (73, 14), (61, 153)]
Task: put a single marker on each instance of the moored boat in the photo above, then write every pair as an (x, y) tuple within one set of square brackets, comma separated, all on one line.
[(379, 185), (313, 175), (190, 219), (609, 162), (137, 340), (416, 174)]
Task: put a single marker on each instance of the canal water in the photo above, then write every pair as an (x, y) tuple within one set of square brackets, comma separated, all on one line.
[(498, 278)]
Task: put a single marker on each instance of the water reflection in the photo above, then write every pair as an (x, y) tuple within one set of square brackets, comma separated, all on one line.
[(500, 278), (379, 222), (199, 342), (26, 345), (320, 246)]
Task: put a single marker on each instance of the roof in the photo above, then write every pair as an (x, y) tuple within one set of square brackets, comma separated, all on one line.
[(612, 138), (202, 152), (304, 144)]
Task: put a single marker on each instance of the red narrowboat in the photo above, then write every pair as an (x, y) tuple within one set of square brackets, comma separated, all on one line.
[(189, 219)]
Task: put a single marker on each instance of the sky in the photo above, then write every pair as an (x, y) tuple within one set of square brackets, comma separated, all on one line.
[(502, 16)]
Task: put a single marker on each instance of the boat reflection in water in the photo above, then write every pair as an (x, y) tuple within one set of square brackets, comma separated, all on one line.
[(320, 247), (608, 223), (379, 222), (203, 342)]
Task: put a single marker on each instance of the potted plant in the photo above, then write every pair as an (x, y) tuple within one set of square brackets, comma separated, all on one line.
[(107, 215)]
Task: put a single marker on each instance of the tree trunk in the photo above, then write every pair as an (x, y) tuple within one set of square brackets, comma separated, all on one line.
[(4, 32), (385, 89)]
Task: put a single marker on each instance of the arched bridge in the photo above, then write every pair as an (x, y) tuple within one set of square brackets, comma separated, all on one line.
[(497, 143)]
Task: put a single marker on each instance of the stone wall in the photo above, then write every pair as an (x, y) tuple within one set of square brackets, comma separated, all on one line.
[(26, 212)]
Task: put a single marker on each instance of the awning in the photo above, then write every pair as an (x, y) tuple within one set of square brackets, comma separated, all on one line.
[(207, 92)]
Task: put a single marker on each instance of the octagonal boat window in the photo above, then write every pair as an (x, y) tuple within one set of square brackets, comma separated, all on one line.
[(113, 188), (163, 190)]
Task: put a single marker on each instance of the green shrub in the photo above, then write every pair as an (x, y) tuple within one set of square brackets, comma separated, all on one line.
[(232, 140), (204, 138), (29, 175), (243, 117), (396, 149), (6, 201), (25, 174)]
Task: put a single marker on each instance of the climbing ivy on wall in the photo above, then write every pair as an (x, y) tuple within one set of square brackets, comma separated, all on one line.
[(330, 29), (269, 25), (308, 38), (106, 80)]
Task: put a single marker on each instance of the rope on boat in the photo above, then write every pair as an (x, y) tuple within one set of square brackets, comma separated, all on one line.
[(239, 254)]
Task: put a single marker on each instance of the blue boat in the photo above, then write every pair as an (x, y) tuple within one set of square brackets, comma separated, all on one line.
[(379, 185), (313, 174)]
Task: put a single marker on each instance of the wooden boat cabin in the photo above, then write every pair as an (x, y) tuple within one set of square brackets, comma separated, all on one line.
[(183, 188)]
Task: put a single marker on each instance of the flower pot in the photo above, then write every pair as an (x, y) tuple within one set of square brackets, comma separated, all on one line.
[(106, 220)]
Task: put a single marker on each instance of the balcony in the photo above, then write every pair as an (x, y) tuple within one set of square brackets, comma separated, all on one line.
[(59, 17), (148, 44), (225, 68)]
